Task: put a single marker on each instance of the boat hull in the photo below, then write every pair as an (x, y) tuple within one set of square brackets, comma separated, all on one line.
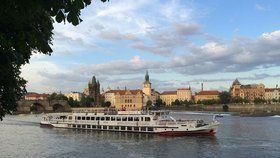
[(187, 133)]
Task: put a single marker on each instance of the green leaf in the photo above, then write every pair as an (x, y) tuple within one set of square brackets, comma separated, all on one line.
[(60, 16)]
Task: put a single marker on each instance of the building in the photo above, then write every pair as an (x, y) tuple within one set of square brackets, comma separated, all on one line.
[(36, 96), (181, 94), (168, 97), (75, 95), (206, 95), (249, 92), (272, 94), (125, 99), (94, 90)]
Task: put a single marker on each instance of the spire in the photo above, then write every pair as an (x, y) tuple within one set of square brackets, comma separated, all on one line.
[(98, 82), (236, 82), (147, 78), (93, 81)]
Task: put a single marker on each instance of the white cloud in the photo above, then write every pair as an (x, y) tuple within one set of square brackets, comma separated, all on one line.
[(260, 7)]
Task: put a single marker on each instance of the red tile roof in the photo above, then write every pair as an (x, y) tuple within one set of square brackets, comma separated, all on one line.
[(32, 94), (271, 89), (122, 92), (183, 89), (208, 93), (169, 92)]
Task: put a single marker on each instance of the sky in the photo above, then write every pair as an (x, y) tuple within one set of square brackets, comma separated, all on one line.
[(181, 44)]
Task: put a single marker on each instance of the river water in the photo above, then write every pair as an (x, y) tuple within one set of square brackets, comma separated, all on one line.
[(238, 137)]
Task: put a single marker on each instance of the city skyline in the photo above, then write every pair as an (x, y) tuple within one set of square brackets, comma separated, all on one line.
[(203, 41)]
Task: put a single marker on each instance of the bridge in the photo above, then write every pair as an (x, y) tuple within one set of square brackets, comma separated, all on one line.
[(40, 106)]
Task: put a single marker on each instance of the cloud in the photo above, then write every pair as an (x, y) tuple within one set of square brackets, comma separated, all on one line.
[(165, 41), (260, 7), (240, 55)]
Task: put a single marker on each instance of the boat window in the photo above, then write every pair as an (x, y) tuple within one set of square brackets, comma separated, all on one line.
[(136, 128), (70, 118), (88, 118), (150, 129), (83, 118), (102, 118), (113, 118), (129, 128), (118, 118), (97, 118), (124, 119), (116, 127), (130, 118), (107, 118), (93, 126), (110, 127), (147, 119), (79, 118), (122, 127), (136, 118), (92, 118), (143, 128), (88, 126), (104, 127)]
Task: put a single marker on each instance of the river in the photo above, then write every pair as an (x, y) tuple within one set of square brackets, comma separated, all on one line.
[(237, 137)]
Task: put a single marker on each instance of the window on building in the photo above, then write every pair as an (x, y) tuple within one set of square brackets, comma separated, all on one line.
[(83, 118), (88, 118), (107, 118), (119, 118), (92, 118), (124, 118), (88, 126), (113, 118), (104, 127), (136, 118), (102, 119), (136, 128), (150, 129), (123, 128), (116, 127), (97, 118), (129, 128)]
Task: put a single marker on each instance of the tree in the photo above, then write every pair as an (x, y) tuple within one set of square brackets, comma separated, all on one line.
[(73, 103), (58, 96), (26, 27), (149, 104), (224, 97), (86, 101), (159, 103), (107, 104)]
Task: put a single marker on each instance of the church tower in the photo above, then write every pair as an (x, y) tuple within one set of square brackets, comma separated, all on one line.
[(94, 90), (147, 90)]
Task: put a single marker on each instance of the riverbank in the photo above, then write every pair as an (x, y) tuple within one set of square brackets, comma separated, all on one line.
[(254, 110)]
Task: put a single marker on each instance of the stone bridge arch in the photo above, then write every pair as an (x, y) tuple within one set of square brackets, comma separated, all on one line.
[(26, 106), (60, 106), (37, 107)]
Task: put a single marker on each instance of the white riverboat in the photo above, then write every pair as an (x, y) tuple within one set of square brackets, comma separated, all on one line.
[(157, 122)]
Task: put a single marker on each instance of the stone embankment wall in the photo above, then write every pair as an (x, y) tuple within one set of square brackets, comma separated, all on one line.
[(243, 109)]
